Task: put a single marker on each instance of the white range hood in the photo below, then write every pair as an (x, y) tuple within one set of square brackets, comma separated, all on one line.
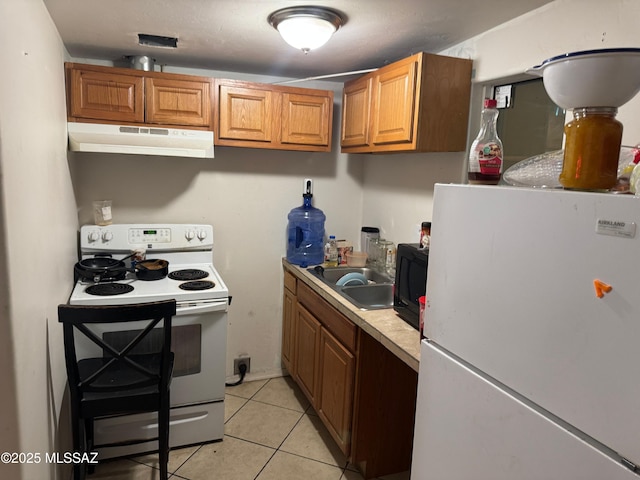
[(94, 137)]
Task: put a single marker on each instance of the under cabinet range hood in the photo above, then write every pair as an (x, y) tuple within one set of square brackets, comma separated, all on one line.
[(95, 137)]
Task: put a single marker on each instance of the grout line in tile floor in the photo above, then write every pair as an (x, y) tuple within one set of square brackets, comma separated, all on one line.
[(308, 411), (263, 440), (289, 434)]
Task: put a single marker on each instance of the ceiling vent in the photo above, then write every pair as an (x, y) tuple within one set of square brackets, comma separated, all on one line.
[(157, 41)]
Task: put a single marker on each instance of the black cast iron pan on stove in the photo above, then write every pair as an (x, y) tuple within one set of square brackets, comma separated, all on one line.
[(152, 269), (105, 269)]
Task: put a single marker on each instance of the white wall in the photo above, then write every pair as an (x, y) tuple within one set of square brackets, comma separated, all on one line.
[(398, 190), (246, 194), (39, 222)]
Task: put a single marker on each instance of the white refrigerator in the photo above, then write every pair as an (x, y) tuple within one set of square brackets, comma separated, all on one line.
[(531, 366)]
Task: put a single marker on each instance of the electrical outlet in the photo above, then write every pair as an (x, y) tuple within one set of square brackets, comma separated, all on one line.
[(241, 361)]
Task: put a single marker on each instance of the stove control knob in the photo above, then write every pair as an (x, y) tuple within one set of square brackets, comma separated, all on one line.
[(190, 234), (107, 235), (202, 234), (94, 236)]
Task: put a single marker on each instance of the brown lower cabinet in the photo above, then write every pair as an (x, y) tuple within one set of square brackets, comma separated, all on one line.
[(363, 394)]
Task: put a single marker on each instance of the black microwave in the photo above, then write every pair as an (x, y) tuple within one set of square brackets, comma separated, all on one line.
[(411, 281)]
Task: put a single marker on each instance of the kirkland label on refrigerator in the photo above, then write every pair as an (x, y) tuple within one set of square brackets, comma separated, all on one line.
[(615, 228)]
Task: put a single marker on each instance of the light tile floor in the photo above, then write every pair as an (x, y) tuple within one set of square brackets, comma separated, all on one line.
[(271, 433)]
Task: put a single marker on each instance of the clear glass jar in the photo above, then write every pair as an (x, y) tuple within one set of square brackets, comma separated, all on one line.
[(373, 253), (592, 149), (386, 257)]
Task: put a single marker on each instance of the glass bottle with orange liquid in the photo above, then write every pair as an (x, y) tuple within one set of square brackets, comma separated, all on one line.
[(592, 149)]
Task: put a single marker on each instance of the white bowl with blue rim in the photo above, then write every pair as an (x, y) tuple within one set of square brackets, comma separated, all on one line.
[(591, 78), (352, 279)]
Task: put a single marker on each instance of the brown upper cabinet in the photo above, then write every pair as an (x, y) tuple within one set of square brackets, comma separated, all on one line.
[(259, 115), (135, 97), (418, 104)]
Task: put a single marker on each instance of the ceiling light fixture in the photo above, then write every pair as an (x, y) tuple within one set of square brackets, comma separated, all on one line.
[(306, 28)]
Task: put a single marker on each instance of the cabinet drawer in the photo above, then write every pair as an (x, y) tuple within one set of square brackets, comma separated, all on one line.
[(339, 325), (290, 282)]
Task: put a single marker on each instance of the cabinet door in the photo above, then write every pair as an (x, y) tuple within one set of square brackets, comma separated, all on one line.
[(245, 114), (305, 119), (306, 353), (178, 102), (356, 101), (288, 333), (394, 104), (336, 389), (106, 96)]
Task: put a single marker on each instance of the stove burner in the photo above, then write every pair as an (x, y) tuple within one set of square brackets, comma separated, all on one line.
[(188, 274), (197, 285), (107, 289)]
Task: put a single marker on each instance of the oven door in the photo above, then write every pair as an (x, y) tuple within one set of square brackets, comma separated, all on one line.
[(199, 344), (199, 335), (198, 341)]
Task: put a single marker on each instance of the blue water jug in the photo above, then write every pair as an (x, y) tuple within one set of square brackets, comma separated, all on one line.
[(305, 232)]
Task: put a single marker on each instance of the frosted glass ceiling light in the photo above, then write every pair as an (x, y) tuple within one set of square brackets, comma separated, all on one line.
[(306, 28)]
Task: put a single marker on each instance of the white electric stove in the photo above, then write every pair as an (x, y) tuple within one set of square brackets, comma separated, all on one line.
[(199, 327)]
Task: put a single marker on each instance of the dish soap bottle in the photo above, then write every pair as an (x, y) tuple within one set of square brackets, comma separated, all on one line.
[(305, 231), (331, 252), (485, 155)]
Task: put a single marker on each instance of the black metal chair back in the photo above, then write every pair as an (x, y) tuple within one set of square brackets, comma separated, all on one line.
[(131, 372)]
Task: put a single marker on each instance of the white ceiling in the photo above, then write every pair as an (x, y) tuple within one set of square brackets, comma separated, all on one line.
[(234, 35)]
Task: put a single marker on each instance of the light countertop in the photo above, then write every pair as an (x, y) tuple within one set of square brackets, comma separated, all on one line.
[(383, 325)]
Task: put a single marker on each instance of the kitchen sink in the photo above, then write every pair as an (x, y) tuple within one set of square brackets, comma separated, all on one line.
[(370, 297), (330, 275), (377, 294)]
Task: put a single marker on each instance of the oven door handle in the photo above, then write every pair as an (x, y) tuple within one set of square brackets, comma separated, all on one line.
[(202, 307)]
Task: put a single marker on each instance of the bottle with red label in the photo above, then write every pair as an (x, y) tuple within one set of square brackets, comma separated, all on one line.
[(485, 155), (423, 309)]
